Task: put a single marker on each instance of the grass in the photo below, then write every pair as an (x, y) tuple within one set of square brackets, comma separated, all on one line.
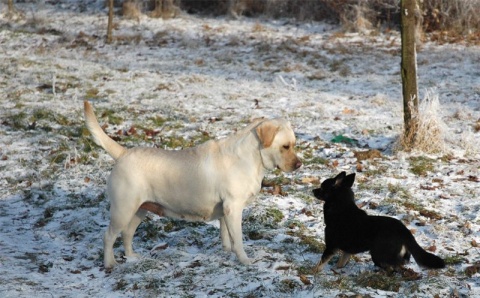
[(378, 280), (375, 169), (111, 116), (42, 119), (269, 217), (421, 165), (17, 121), (157, 121), (78, 147), (454, 259), (398, 191), (312, 243), (342, 283), (309, 158)]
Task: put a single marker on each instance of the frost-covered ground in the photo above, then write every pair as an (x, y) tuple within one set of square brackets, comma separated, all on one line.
[(178, 82)]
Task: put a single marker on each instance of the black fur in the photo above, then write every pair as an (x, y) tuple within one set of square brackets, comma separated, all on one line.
[(351, 230)]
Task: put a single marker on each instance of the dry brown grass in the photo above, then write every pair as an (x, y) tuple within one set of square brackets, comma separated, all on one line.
[(131, 9), (476, 126), (165, 9), (455, 19), (357, 19), (458, 15), (429, 130), (445, 21)]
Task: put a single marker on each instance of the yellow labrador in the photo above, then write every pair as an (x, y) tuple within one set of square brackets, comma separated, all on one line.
[(214, 180)]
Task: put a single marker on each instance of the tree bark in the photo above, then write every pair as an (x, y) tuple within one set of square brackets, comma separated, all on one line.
[(110, 22), (11, 7), (409, 69)]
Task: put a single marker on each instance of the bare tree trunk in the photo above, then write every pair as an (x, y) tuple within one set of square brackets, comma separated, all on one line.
[(11, 7), (110, 21), (409, 70)]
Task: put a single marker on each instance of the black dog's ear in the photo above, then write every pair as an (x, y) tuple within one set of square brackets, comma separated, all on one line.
[(348, 181), (339, 179)]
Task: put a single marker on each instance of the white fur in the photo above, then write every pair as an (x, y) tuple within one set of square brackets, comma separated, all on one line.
[(214, 180)]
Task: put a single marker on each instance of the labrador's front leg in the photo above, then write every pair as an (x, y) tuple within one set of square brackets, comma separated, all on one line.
[(233, 222)]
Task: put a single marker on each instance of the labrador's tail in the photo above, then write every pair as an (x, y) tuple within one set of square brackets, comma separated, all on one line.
[(99, 136)]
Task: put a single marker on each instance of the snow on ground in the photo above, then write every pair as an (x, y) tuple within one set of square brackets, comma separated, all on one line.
[(175, 83)]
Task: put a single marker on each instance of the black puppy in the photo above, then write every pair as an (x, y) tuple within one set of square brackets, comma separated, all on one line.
[(351, 230)]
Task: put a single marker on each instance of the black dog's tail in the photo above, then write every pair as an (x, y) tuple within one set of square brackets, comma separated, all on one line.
[(422, 257)]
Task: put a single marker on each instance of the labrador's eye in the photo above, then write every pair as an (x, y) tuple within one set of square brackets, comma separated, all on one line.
[(286, 147)]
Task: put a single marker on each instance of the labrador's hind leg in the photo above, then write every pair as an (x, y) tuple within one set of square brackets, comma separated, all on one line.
[(120, 222), (129, 231)]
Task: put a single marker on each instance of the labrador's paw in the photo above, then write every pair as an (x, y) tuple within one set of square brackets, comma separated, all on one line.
[(246, 261)]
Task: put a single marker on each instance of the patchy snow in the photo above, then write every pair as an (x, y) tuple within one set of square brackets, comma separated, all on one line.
[(173, 83)]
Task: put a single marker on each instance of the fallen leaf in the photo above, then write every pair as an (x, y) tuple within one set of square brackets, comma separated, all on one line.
[(286, 267), (151, 133), (471, 270), (194, 264), (277, 190), (359, 167), (430, 214), (308, 180), (160, 246), (362, 204), (473, 178), (307, 212), (428, 187), (369, 154), (214, 119), (410, 274), (474, 243), (132, 131)]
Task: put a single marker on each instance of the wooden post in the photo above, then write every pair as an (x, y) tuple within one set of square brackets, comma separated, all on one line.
[(110, 21), (409, 69)]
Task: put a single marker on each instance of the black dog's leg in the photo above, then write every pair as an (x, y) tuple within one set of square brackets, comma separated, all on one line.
[(343, 260), (327, 255)]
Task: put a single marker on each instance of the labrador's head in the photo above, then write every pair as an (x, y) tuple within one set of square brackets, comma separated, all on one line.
[(277, 145)]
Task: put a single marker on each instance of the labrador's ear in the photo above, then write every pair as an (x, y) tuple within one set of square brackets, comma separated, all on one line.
[(266, 133)]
